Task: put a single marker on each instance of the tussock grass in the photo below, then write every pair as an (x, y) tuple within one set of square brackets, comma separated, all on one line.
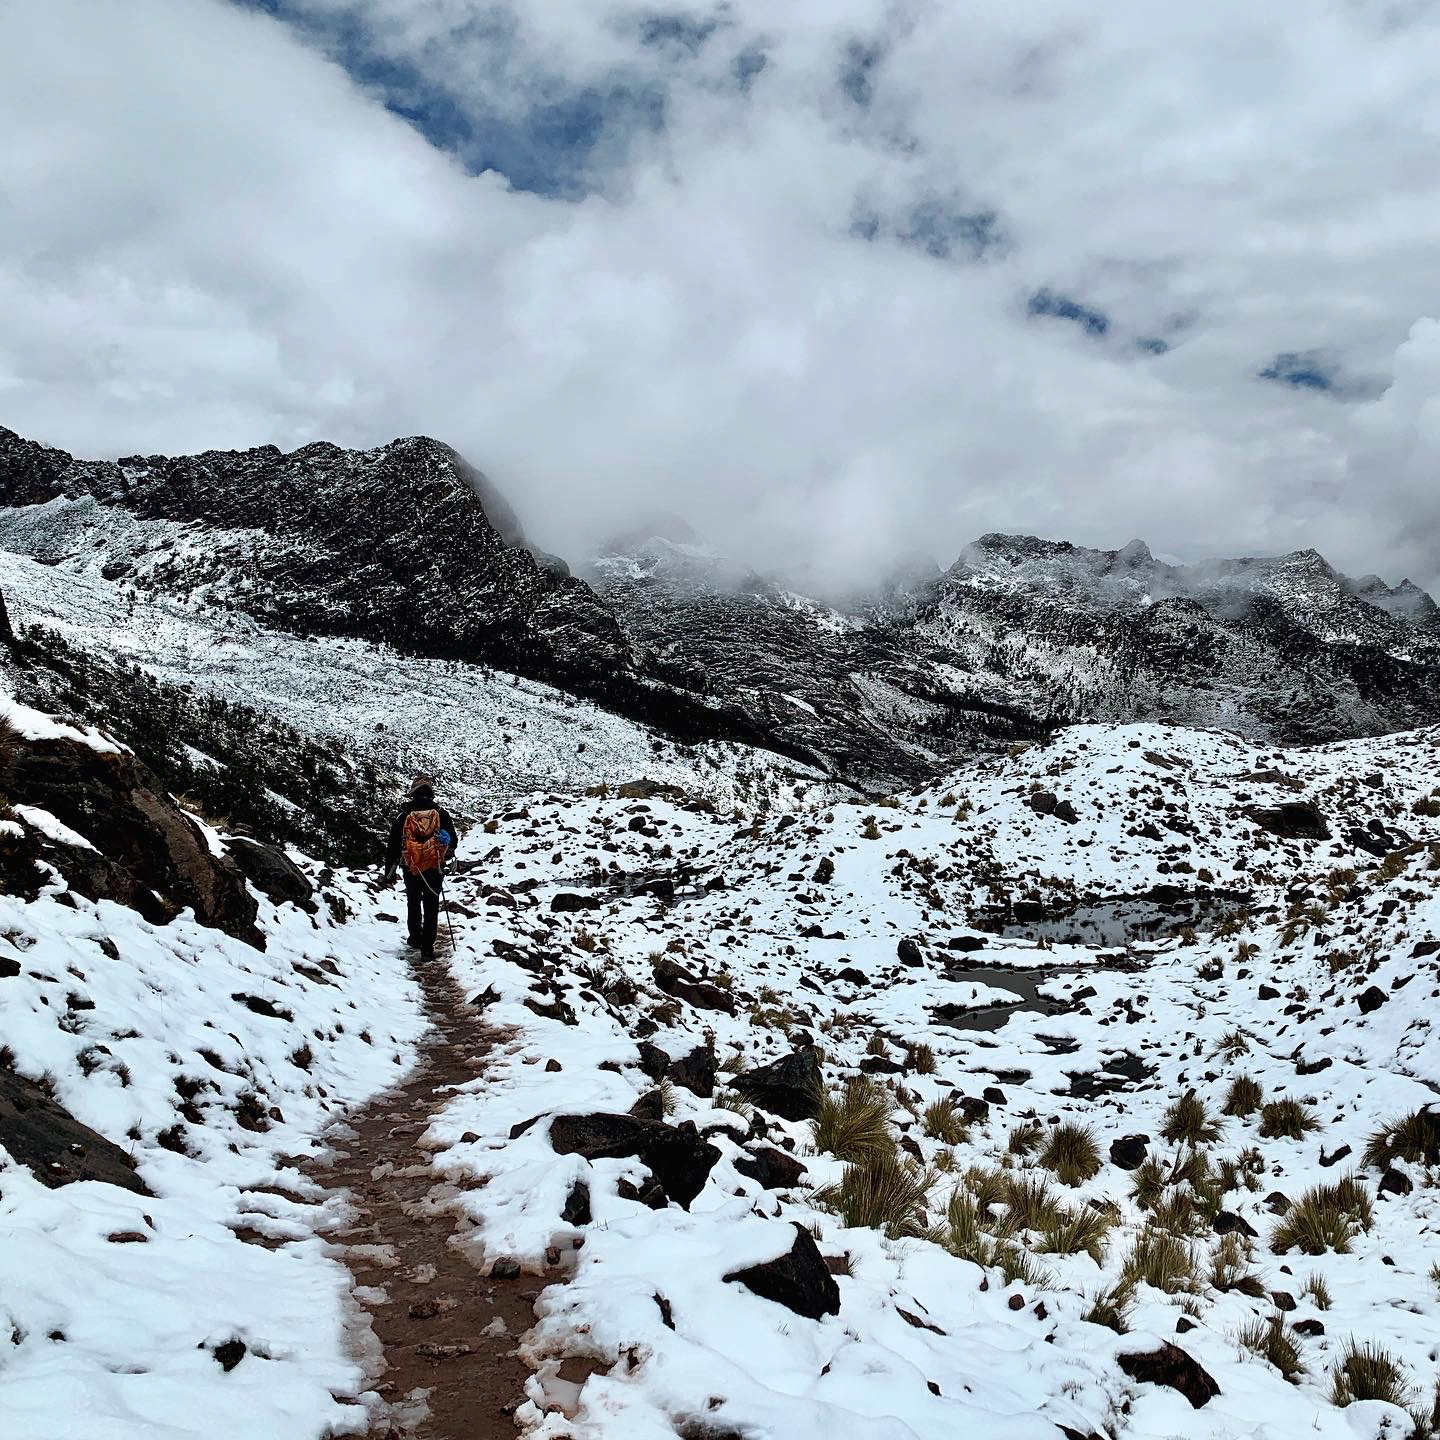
[(1288, 1119), (1327, 1217), (1318, 1291), (1111, 1308), (1244, 1097), (728, 1100), (1147, 1183), (1188, 1120), (853, 1124), (1030, 1203), (878, 1045), (1072, 1154), (1160, 1260), (1024, 1138), (1367, 1371), (1232, 1045), (1275, 1341), (987, 1185), (1414, 1137), (943, 1122), (1072, 1232), (882, 1193), (1230, 1267), (920, 1059)]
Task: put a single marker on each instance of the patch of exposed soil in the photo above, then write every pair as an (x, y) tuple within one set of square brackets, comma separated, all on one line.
[(447, 1333)]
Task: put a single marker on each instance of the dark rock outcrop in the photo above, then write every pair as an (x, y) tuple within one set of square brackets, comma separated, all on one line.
[(1171, 1366), (149, 855), (272, 872), (799, 1279), (1129, 1151), (789, 1087), (41, 1134), (676, 1155), (1292, 820), (675, 980), (771, 1168)]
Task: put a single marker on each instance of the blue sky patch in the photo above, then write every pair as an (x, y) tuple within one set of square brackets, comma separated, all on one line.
[(1050, 302), (1303, 369)]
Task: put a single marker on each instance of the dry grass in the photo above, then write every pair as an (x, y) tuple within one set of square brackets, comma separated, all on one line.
[(1325, 1218), (1244, 1097), (882, 1193), (1025, 1137), (920, 1059), (1072, 1154), (1275, 1341), (1111, 1308), (1366, 1371), (1287, 1119), (943, 1122), (1230, 1267), (853, 1124), (1160, 1260), (1189, 1121), (1084, 1230), (1414, 1138)]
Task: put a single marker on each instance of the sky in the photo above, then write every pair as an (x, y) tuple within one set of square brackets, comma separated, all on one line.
[(838, 281)]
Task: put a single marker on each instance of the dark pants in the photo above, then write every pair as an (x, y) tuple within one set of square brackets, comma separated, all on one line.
[(422, 901)]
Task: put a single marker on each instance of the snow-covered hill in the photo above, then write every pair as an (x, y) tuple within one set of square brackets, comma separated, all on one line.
[(1022, 1168)]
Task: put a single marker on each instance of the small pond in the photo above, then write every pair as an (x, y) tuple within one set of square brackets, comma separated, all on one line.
[(1124, 920)]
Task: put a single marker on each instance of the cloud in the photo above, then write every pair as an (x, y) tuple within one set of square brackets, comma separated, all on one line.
[(779, 269)]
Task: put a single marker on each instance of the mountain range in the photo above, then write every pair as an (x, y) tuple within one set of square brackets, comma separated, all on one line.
[(409, 547)]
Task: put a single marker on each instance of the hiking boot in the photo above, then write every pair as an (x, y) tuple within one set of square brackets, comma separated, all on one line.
[(427, 952)]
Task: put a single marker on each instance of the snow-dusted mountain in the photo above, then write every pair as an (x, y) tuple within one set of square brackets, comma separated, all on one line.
[(408, 553)]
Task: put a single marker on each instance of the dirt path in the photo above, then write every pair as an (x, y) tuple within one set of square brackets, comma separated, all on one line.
[(448, 1334)]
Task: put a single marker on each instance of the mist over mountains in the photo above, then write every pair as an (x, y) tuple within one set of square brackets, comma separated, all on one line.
[(409, 546)]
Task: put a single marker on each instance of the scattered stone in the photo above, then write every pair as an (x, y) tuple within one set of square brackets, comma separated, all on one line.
[(788, 1087), (1227, 1222), (228, 1353), (677, 1156), (772, 1168), (1129, 1151), (798, 1280), (577, 1205), (1371, 999), (272, 872), (568, 903), (1291, 820), (1395, 1182), (675, 980), (1172, 1367)]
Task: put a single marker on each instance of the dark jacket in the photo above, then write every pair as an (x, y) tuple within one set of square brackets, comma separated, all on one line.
[(397, 830)]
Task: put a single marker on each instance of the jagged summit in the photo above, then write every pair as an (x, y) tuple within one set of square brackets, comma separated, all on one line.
[(407, 545)]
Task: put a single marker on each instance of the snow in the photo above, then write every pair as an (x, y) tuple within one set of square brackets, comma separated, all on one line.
[(36, 725), (569, 993), (48, 825)]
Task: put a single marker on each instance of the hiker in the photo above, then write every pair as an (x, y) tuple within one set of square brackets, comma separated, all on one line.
[(423, 837)]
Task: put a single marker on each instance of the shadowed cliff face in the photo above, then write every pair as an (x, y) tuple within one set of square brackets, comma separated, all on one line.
[(408, 546)]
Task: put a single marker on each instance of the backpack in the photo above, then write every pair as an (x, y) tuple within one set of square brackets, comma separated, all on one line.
[(424, 847)]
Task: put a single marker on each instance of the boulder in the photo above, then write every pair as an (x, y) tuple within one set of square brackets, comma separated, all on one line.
[(799, 1279), (696, 1071), (1291, 820), (788, 1087), (908, 952), (772, 1168), (675, 980), (677, 1156), (1371, 999), (1129, 1151), (272, 872), (1171, 1366), (567, 902), (149, 854), (41, 1134)]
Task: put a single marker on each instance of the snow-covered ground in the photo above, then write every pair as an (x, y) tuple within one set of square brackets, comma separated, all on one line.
[(1320, 986), (488, 734)]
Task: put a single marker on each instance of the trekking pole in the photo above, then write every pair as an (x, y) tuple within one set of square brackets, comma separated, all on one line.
[(449, 922)]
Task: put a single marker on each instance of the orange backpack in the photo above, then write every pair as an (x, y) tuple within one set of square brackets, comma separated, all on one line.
[(424, 850)]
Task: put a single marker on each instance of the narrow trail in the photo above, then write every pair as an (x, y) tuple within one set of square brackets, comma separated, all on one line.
[(447, 1333)]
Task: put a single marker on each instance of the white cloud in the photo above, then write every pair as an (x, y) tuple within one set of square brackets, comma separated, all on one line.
[(210, 236)]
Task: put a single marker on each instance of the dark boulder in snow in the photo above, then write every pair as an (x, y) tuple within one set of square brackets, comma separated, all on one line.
[(1171, 1366), (799, 1279), (774, 1169), (1371, 999), (567, 902), (1291, 820), (675, 980), (272, 872), (696, 1071), (149, 854), (1129, 1151), (788, 1087), (677, 1156), (42, 1134)]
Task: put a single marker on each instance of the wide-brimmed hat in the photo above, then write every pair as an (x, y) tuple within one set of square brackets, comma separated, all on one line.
[(421, 782)]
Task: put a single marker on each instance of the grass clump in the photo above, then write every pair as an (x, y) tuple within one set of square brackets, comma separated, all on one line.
[(1275, 1341), (1072, 1154), (1414, 1137), (920, 1059), (1288, 1119), (1366, 1371), (1232, 1045), (1030, 1204), (1188, 1120), (1327, 1217), (853, 1124), (1160, 1260), (1072, 1232), (1111, 1308), (1230, 1267), (1024, 1138), (1244, 1097), (943, 1122), (882, 1193), (1318, 1291), (1147, 1183)]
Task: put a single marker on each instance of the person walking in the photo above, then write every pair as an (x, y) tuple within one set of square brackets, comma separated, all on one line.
[(423, 837)]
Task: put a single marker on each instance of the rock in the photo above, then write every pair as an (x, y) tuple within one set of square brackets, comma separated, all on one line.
[(41, 1134), (789, 1087), (149, 855), (1227, 1222), (909, 953), (1277, 1203), (696, 1071), (994, 1095), (799, 1279), (1291, 820), (676, 1155), (650, 1106), (1129, 1151), (1282, 1300), (772, 1168), (272, 872), (1171, 1366), (675, 980), (1267, 992), (853, 976), (1371, 999), (824, 871), (967, 943), (1309, 1328), (567, 903), (229, 1353), (577, 1205), (1395, 1182)]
